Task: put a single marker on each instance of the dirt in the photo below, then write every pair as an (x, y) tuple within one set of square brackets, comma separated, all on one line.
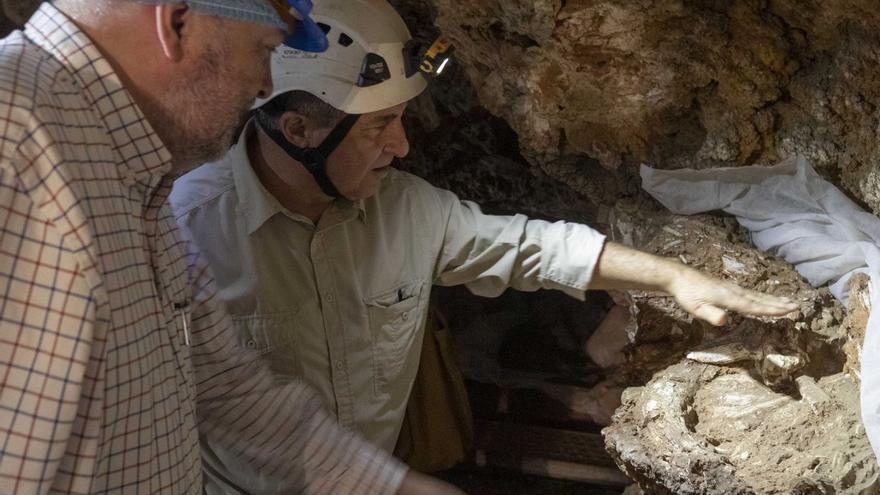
[(764, 405), (699, 428), (855, 323)]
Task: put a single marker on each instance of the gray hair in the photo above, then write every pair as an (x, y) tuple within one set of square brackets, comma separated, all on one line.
[(84, 8), (257, 11), (306, 104)]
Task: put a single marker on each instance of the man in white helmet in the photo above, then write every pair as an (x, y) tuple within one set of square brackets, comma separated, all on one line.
[(326, 255)]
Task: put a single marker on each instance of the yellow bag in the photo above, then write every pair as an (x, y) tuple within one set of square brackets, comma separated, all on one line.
[(438, 427)]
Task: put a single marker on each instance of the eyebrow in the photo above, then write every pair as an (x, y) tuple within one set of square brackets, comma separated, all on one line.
[(382, 120)]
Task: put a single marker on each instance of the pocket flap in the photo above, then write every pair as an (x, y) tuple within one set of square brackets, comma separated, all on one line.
[(401, 298)]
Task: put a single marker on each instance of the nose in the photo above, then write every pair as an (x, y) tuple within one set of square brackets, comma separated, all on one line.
[(397, 144), (266, 85)]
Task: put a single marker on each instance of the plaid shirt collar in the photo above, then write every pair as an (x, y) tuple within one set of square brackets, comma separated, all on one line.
[(145, 159)]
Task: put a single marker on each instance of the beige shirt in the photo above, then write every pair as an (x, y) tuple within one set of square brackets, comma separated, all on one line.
[(344, 302)]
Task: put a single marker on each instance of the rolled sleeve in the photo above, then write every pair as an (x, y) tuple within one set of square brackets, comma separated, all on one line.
[(490, 253), (569, 255)]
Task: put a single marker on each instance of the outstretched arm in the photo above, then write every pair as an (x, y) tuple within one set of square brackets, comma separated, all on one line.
[(705, 297)]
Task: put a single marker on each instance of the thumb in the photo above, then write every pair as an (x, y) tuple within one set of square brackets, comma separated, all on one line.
[(712, 314)]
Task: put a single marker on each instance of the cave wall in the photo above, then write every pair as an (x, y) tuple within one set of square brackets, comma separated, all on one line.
[(593, 88)]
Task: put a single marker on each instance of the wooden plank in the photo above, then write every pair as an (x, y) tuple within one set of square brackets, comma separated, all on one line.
[(548, 452)]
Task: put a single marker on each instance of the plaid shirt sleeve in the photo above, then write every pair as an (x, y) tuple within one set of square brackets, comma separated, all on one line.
[(278, 429), (47, 320)]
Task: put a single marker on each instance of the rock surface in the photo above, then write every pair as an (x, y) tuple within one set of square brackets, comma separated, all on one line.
[(723, 408), (855, 324), (706, 429), (675, 83), (808, 342)]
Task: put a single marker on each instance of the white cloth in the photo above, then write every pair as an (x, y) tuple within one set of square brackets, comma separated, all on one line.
[(792, 212)]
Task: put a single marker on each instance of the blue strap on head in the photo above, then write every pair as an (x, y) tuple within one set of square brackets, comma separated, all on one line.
[(307, 35)]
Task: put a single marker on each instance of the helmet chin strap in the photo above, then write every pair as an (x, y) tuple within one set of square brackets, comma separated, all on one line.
[(315, 159)]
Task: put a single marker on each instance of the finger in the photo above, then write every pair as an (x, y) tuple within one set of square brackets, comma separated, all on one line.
[(757, 303), (713, 314), (757, 308), (765, 298), (765, 305), (783, 305)]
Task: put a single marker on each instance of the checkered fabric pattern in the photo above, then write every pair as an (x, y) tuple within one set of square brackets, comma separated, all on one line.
[(100, 393)]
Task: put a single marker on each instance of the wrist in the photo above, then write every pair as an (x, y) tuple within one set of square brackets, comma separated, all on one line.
[(669, 272)]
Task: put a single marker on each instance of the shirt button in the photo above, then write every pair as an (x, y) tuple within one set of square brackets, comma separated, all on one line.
[(405, 316), (251, 344), (340, 365), (329, 297)]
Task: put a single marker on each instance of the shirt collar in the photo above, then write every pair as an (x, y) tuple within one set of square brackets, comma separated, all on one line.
[(145, 158), (257, 205)]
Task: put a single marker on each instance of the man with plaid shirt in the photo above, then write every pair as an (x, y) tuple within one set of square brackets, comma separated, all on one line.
[(113, 348)]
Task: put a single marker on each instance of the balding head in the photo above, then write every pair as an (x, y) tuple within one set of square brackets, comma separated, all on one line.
[(255, 11), (78, 9), (193, 74)]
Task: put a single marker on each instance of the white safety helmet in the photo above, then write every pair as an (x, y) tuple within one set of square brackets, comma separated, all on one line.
[(367, 66), (371, 64)]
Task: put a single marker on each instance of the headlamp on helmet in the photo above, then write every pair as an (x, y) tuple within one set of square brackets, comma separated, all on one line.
[(430, 60)]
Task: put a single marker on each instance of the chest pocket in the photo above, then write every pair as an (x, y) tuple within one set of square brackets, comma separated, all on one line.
[(394, 316), (273, 336)]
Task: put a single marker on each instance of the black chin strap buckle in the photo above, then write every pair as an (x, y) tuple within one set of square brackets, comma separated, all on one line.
[(312, 159)]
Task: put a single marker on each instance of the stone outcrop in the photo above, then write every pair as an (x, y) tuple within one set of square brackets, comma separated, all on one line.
[(855, 324), (705, 429), (722, 408), (675, 83), (778, 349)]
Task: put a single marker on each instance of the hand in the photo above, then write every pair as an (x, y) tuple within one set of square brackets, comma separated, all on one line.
[(707, 298), (419, 484), (622, 267)]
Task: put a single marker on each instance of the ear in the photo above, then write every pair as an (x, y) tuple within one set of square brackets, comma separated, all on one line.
[(171, 21), (296, 129)]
